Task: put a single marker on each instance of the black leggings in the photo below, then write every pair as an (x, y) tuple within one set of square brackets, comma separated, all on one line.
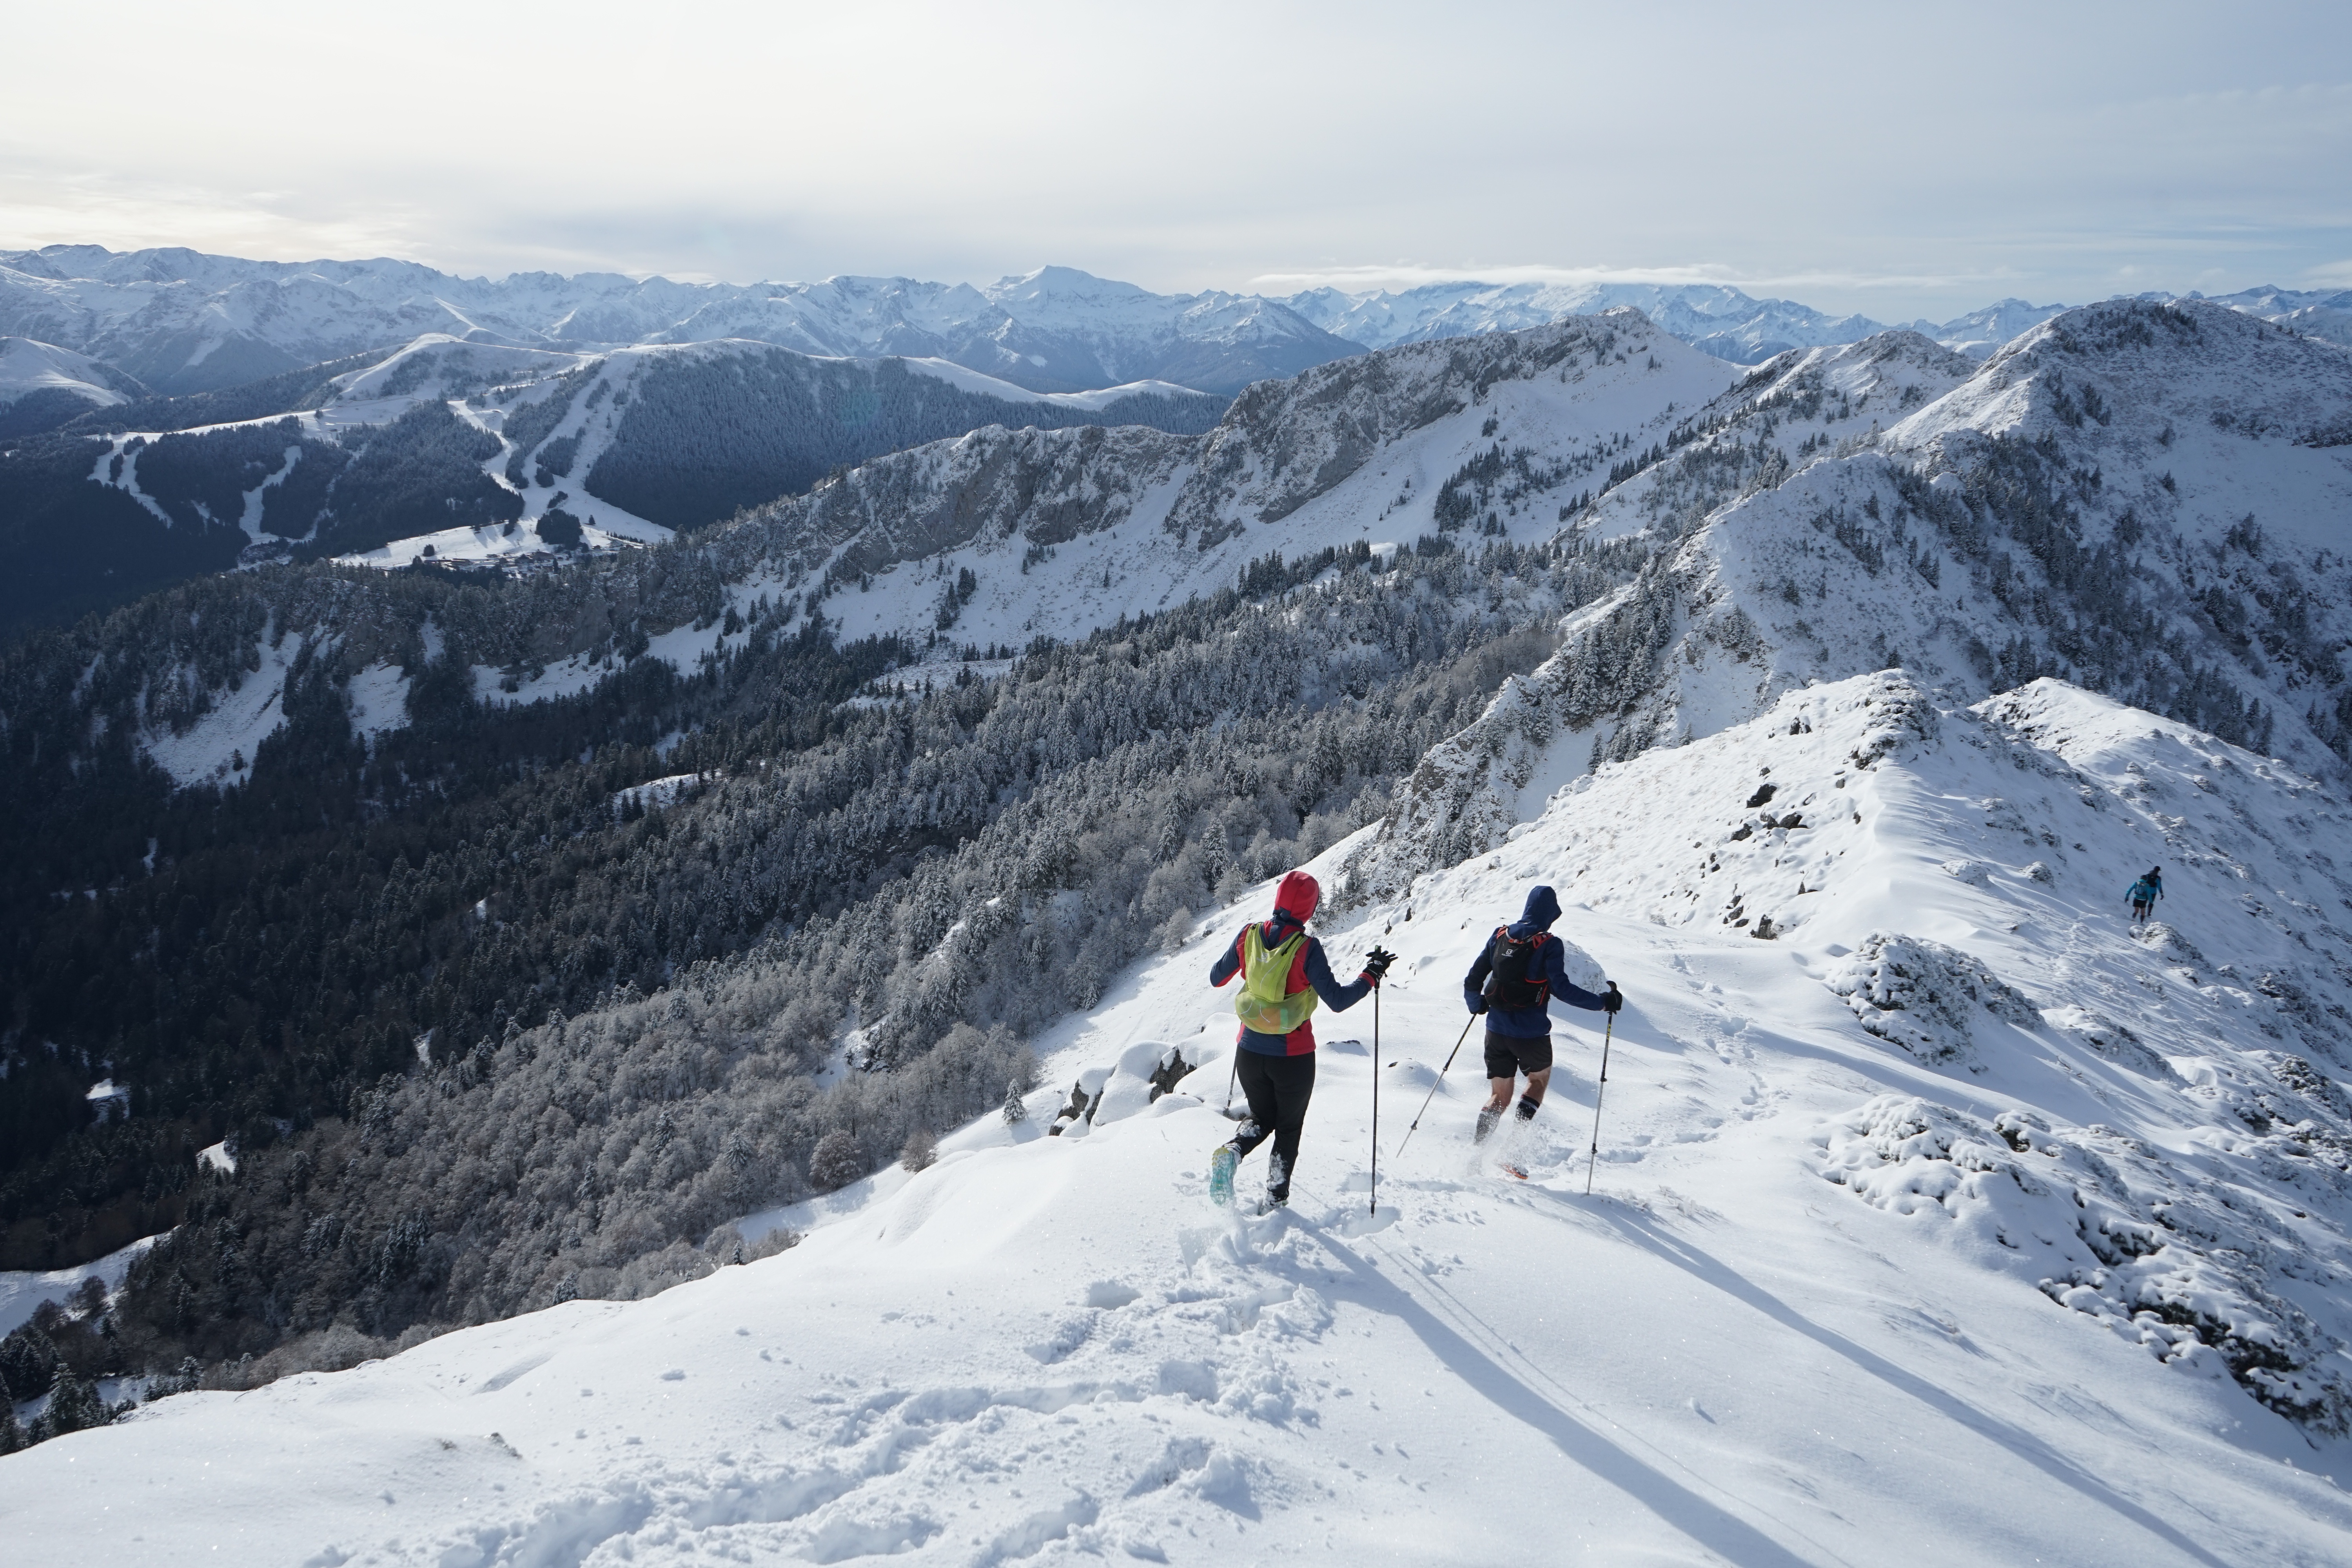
[(1278, 1089)]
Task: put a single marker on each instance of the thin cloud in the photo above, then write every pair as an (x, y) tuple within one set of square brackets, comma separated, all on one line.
[(1403, 276)]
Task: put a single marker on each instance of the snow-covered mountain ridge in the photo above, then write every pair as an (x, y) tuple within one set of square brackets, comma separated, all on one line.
[(1732, 325), (1359, 452), (1952, 1215), (2145, 499)]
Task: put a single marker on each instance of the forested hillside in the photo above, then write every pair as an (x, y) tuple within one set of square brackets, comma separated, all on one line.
[(1060, 818), (704, 436)]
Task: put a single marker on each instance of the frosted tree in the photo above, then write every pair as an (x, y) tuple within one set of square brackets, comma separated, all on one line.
[(836, 1163)]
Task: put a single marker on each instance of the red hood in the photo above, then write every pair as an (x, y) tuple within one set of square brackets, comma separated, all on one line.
[(1298, 896)]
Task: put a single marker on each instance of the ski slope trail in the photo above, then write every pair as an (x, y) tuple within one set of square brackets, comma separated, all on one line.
[(1855, 1270)]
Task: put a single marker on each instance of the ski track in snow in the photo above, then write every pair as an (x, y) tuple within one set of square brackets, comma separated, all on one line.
[(1764, 1339)]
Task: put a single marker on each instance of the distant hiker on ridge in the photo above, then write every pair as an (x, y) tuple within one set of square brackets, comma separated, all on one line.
[(1283, 974), (2144, 892), (1519, 970)]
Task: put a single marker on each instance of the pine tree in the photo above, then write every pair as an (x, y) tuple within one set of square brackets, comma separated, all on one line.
[(1016, 1109), (75, 1406)]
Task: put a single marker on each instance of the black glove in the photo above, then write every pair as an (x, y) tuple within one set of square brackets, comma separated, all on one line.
[(1615, 999), (1477, 1003), (1376, 964)]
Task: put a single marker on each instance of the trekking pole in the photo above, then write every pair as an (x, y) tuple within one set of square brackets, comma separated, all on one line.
[(1376, 1101), (1432, 1087), (1234, 1068), (1603, 1089)]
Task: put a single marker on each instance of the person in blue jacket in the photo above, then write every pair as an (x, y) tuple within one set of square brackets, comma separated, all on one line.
[(2144, 892), (1520, 970), (1285, 978)]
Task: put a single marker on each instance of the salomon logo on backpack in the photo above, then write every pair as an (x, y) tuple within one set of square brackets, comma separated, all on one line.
[(1509, 959)]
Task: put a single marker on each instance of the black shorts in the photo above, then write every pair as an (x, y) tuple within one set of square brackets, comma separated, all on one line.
[(1510, 1055)]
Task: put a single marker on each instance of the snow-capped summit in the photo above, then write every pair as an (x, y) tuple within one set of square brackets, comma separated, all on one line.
[(1980, 332)]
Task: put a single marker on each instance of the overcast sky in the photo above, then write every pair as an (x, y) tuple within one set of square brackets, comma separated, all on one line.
[(1847, 155)]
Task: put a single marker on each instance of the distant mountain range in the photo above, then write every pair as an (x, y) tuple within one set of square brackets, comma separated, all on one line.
[(181, 321), (1731, 325)]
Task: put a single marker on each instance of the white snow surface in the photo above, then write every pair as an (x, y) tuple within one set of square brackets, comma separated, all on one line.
[(207, 752), (378, 700), (1829, 1297), (22, 1290), (28, 367), (1095, 400)]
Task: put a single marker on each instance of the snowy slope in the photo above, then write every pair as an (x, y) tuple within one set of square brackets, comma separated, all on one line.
[(28, 367), (1954, 1217)]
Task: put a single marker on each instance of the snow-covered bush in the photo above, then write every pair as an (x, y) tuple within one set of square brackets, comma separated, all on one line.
[(2102, 1224), (1925, 996)]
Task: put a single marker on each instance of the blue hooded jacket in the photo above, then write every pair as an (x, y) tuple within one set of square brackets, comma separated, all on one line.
[(1547, 967)]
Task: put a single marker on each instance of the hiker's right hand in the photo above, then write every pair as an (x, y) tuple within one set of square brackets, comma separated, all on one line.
[(1613, 1000), (1477, 1003)]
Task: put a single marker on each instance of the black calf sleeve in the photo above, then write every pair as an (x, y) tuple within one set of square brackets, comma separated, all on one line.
[(1529, 1105)]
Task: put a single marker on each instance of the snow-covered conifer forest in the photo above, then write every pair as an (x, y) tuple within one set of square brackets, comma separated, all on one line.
[(676, 1023)]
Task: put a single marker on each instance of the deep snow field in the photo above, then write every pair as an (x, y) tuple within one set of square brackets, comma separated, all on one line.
[(1837, 1295)]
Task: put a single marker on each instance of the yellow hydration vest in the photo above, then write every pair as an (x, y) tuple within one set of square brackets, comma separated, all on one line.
[(1265, 1006)]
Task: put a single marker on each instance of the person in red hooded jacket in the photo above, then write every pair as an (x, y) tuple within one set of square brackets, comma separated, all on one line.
[(1285, 975)]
